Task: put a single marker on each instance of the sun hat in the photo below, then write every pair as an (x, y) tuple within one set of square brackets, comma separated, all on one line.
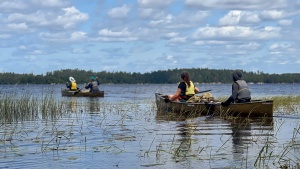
[(72, 79)]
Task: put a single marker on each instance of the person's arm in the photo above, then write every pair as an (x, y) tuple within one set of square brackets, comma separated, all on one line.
[(233, 96), (68, 85), (98, 83), (89, 85), (197, 90), (178, 92), (235, 90), (227, 102), (175, 96)]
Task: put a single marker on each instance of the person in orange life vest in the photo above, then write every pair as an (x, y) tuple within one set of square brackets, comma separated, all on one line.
[(186, 89), (72, 85)]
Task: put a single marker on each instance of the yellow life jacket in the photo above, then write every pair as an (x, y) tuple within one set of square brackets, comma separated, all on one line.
[(73, 86), (190, 90)]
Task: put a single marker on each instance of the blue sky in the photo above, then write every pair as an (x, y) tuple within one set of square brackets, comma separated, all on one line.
[(39, 36)]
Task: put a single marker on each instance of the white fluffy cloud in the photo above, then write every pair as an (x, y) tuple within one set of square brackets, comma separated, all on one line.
[(119, 12), (154, 3), (239, 17), (233, 4), (273, 14), (134, 35), (237, 32), (69, 18)]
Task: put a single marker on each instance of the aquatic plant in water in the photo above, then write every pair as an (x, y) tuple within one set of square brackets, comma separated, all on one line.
[(19, 107)]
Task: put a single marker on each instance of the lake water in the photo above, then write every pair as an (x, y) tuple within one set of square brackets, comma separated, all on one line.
[(123, 130)]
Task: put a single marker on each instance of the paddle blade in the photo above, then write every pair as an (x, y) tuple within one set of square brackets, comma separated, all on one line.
[(76, 92)]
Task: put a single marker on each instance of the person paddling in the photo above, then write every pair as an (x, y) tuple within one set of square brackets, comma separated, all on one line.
[(186, 89), (240, 91), (93, 85), (72, 85)]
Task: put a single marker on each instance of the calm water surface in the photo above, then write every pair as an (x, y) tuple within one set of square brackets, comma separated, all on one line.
[(123, 130)]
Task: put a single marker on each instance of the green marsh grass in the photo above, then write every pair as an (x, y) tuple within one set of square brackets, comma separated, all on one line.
[(287, 104), (266, 155), (285, 158), (14, 108), (20, 107)]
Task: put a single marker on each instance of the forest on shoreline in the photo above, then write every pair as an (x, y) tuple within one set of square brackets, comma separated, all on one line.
[(199, 75)]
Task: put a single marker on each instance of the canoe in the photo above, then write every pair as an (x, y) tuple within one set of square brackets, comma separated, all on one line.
[(183, 107), (69, 93), (255, 108)]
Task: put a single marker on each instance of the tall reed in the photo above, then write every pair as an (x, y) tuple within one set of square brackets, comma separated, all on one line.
[(286, 104), (16, 107)]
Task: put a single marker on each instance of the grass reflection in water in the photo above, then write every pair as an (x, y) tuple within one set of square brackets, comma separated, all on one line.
[(133, 132)]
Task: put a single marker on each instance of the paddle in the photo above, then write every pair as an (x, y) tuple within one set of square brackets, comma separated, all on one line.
[(203, 91), (167, 100), (78, 90)]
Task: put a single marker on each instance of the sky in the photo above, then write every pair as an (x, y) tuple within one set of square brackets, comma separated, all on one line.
[(40, 36)]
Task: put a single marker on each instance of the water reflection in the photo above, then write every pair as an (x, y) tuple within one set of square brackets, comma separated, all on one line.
[(246, 131), (73, 104), (185, 131), (148, 139), (195, 136), (93, 105), (171, 116), (87, 104)]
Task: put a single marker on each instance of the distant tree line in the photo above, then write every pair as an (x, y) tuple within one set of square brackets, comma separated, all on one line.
[(202, 75)]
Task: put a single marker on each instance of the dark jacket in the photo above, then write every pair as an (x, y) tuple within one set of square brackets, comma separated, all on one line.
[(240, 91), (93, 86)]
